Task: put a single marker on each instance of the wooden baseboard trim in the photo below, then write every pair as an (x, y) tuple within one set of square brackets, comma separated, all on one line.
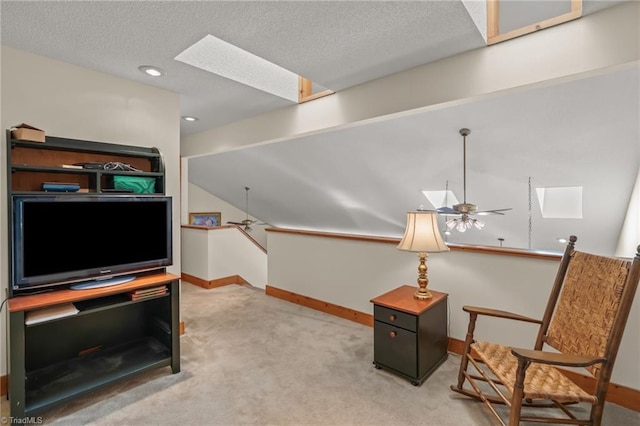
[(219, 282), (181, 328), (319, 305), (616, 394)]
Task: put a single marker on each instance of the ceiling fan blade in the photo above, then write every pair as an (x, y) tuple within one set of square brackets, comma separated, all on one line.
[(495, 211), (235, 223), (447, 211)]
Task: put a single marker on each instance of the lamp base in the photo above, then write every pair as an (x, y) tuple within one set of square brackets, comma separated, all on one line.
[(422, 294)]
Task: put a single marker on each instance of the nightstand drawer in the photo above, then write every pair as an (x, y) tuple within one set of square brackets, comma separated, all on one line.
[(396, 318), (395, 348)]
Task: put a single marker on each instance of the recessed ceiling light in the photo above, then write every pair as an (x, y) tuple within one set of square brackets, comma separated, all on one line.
[(151, 70), (561, 240), (189, 118)]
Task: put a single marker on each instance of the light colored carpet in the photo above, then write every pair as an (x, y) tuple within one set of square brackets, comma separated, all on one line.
[(248, 358)]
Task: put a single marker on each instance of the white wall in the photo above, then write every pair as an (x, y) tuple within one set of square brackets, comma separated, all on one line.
[(200, 200), (630, 232), (69, 101), (350, 273), (211, 254)]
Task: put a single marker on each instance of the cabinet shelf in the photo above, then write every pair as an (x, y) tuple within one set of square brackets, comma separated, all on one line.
[(80, 146), (91, 306), (53, 169), (69, 379)]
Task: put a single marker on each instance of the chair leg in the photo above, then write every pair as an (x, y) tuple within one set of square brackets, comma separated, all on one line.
[(596, 412), (467, 349), (518, 393)]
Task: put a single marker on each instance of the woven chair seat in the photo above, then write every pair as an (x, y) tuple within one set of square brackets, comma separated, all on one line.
[(542, 381)]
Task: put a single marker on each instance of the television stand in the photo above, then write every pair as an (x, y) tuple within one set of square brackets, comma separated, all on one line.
[(106, 282), (115, 335)]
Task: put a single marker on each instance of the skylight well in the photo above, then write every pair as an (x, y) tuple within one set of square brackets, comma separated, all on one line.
[(560, 202), (441, 198), (219, 57)]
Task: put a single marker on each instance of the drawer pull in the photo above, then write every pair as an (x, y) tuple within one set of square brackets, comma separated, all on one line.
[(392, 317), (393, 334)]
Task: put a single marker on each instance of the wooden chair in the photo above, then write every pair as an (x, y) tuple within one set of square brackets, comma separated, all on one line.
[(584, 321)]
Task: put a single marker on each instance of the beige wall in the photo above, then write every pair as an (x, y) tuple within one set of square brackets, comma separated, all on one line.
[(212, 254), (350, 273), (69, 101)]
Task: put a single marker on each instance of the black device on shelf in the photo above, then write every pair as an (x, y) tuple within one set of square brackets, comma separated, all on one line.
[(62, 239)]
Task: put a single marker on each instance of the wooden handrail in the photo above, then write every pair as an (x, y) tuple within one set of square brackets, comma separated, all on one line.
[(455, 247)]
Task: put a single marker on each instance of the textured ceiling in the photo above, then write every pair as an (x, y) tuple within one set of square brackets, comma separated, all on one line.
[(335, 44)]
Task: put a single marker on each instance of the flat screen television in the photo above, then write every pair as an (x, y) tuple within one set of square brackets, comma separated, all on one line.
[(64, 239)]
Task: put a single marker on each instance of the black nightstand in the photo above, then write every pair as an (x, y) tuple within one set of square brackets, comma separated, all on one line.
[(409, 335)]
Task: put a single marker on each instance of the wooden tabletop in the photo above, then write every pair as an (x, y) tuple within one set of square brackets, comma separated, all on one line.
[(35, 301), (402, 299)]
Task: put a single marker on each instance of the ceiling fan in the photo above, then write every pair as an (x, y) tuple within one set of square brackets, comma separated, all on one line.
[(464, 211), (246, 223)]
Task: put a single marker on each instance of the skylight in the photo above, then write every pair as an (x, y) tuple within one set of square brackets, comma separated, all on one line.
[(441, 198), (222, 58), (560, 202)]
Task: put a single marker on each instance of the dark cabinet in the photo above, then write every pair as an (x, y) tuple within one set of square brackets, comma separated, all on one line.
[(410, 335), (111, 337)]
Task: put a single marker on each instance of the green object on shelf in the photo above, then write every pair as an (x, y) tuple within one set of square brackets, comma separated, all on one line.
[(137, 184)]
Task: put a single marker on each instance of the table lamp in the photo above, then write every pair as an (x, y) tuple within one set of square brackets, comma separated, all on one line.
[(422, 236)]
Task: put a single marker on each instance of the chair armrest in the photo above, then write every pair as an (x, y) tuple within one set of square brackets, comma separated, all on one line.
[(553, 358), (498, 314)]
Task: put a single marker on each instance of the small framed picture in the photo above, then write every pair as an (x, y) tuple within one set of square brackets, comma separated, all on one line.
[(209, 219)]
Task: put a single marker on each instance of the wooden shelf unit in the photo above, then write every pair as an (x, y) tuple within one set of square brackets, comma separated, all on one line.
[(112, 336), (29, 164)]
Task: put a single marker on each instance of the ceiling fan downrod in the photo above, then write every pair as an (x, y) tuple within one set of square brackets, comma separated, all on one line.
[(465, 207), (464, 132), (246, 210)]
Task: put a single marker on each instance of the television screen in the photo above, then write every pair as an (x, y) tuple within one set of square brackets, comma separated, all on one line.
[(62, 239)]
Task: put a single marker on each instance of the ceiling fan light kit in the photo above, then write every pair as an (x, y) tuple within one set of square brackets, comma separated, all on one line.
[(464, 211), (463, 223)]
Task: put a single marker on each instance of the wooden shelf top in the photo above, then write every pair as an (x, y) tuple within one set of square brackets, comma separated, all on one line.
[(42, 300), (402, 299)]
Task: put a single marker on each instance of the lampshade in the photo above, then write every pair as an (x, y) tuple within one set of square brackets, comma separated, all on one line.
[(423, 236), (422, 233)]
